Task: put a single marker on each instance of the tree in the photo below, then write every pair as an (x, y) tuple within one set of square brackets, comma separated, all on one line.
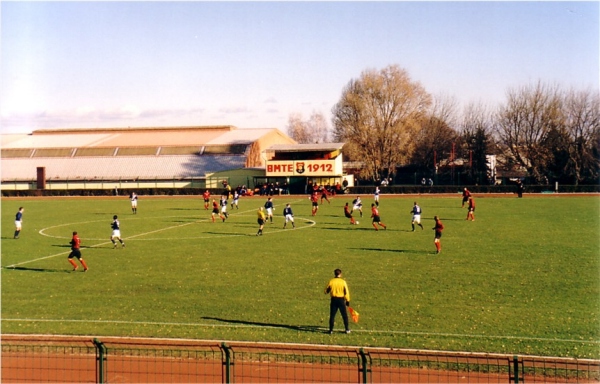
[(317, 126), (297, 129), (436, 136), (377, 116), (477, 141), (558, 163), (582, 125), (314, 130), (523, 125), (555, 135)]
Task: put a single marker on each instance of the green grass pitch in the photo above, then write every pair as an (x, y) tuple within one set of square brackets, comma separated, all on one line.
[(522, 278)]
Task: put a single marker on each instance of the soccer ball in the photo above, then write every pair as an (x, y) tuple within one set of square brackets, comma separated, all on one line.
[(357, 223)]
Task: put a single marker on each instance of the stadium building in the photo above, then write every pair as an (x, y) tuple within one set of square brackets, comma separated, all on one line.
[(157, 158)]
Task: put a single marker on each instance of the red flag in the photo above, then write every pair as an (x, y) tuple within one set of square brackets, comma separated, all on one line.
[(354, 314)]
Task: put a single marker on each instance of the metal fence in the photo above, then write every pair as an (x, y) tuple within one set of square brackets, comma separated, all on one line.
[(36, 359)]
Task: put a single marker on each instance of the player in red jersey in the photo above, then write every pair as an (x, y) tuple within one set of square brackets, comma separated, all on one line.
[(206, 197), (465, 196), (76, 252), (376, 218), (348, 214), (471, 213), (439, 227), (315, 202), (324, 194), (215, 211)]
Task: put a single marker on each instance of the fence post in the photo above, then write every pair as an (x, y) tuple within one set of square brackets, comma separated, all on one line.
[(100, 360), (364, 366), (227, 363), (515, 370)]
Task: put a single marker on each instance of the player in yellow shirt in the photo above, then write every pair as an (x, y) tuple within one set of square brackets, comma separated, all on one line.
[(261, 220), (340, 299)]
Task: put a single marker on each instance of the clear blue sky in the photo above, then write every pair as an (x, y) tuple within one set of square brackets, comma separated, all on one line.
[(252, 64)]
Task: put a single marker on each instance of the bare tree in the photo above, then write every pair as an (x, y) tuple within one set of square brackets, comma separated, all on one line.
[(314, 130), (297, 128), (582, 123), (476, 117), (377, 116), (436, 135), (524, 122), (477, 140), (318, 127)]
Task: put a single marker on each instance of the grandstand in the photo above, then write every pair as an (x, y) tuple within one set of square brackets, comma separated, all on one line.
[(132, 154)]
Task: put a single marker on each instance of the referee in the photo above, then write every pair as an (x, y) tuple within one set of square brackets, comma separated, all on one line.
[(340, 299)]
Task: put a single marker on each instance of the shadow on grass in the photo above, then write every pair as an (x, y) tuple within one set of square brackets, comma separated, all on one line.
[(303, 328), (37, 269), (225, 233), (388, 250), (246, 225), (349, 228), (365, 228), (188, 221), (69, 246)]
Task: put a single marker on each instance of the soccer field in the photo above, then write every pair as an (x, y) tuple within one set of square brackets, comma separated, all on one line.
[(522, 278)]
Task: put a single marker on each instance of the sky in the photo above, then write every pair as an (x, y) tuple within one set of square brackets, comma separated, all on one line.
[(254, 64)]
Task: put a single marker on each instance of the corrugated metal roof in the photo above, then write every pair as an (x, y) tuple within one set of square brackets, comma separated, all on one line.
[(305, 147), (240, 136), (124, 167), (52, 141), (71, 138)]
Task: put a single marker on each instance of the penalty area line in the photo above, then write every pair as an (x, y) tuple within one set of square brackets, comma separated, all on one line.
[(497, 337)]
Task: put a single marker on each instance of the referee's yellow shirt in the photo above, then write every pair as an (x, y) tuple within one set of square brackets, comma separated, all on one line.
[(337, 287)]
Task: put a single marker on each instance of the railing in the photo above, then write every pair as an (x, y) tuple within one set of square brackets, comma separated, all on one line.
[(27, 359)]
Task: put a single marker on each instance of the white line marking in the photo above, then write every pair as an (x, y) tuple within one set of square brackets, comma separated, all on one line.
[(323, 328), (243, 213)]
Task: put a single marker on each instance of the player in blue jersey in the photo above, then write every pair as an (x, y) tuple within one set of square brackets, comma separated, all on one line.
[(416, 219), (269, 208), (116, 232), (18, 222), (289, 215), (357, 205)]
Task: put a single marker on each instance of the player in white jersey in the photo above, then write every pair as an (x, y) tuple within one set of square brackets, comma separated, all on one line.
[(224, 207), (236, 197), (134, 198)]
